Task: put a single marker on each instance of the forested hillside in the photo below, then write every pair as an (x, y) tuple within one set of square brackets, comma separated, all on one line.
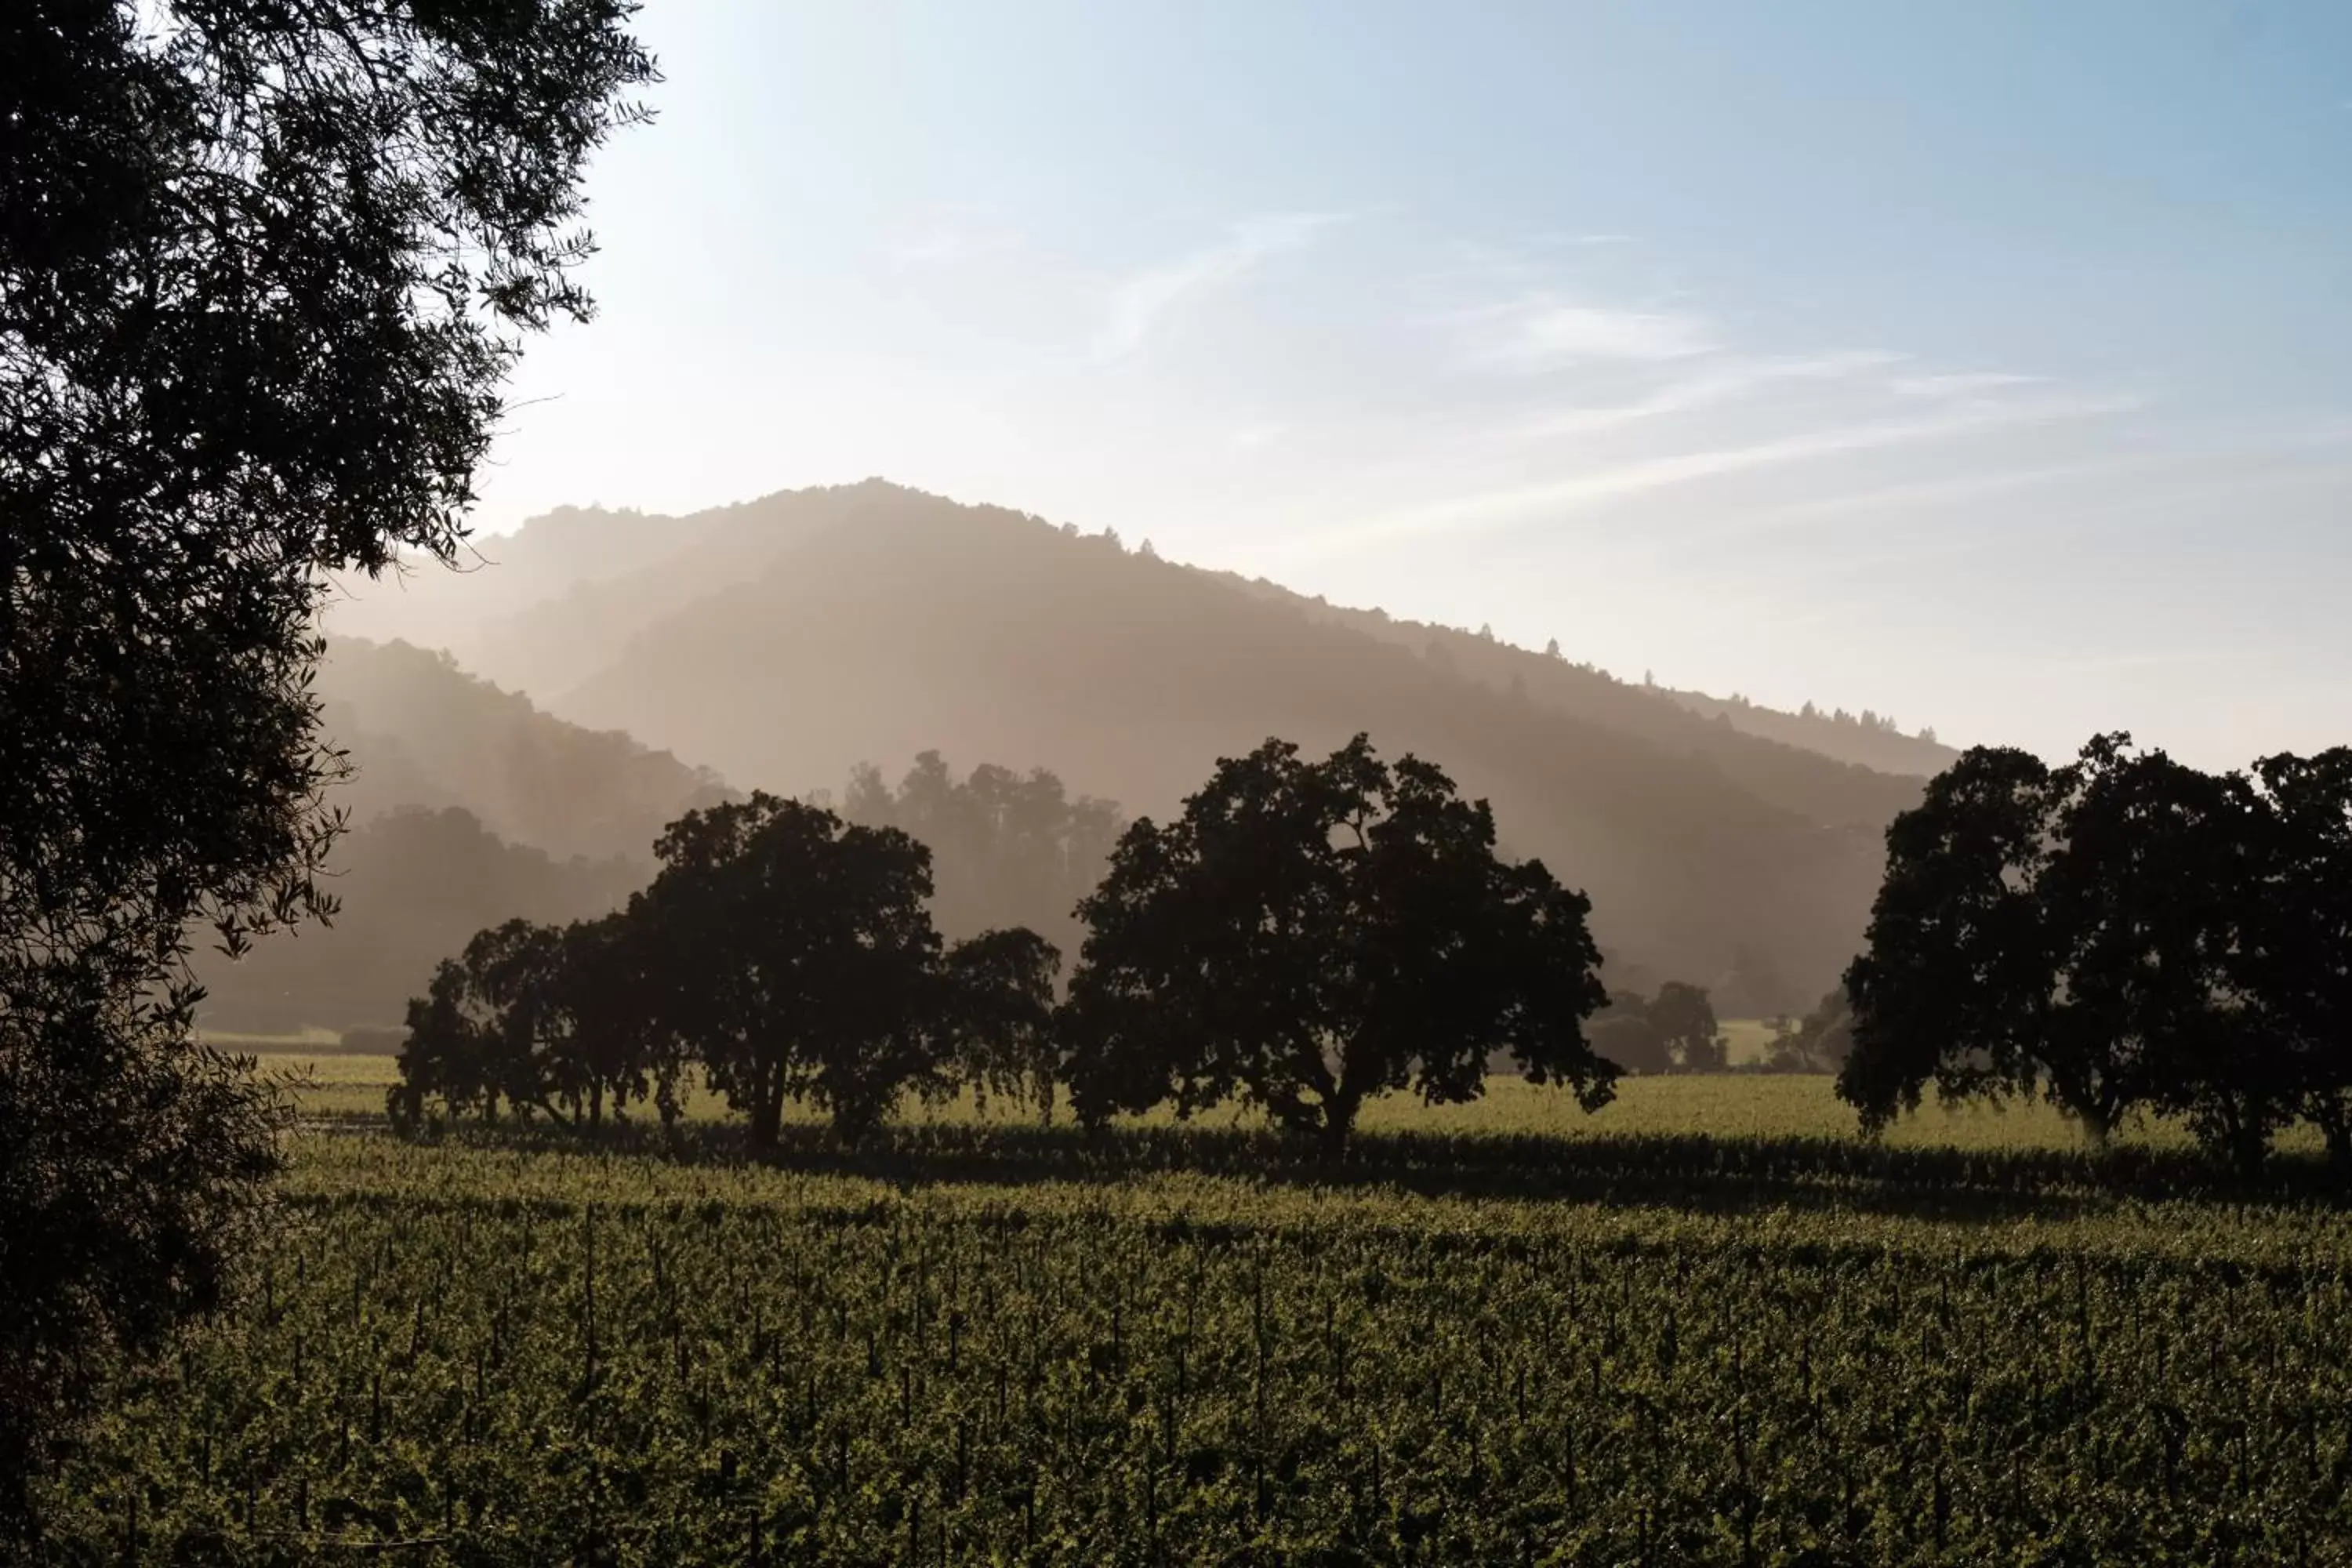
[(422, 731), (468, 807), (1811, 780), (1866, 738), (783, 641)]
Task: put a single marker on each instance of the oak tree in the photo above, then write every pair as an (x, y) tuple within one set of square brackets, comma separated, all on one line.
[(1310, 934)]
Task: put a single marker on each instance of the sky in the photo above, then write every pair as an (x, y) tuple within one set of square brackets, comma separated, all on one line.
[(1988, 365)]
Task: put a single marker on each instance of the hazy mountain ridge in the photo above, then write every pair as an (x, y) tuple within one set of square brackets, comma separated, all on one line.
[(901, 622), (1780, 768), (1865, 742), (784, 640), (423, 731), (470, 806), (415, 883)]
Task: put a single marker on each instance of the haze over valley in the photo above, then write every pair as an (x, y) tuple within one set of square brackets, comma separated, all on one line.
[(594, 674)]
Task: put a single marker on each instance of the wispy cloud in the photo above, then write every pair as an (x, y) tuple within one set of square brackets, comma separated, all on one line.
[(1972, 385), (1140, 302), (1540, 331), (1919, 494), (1507, 505), (1717, 379)]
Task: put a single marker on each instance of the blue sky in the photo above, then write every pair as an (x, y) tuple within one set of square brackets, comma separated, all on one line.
[(1986, 364)]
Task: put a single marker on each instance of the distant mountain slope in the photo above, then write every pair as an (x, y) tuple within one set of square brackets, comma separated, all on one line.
[(414, 884), (499, 576), (1864, 739), (900, 622), (1778, 770), (469, 806), (422, 732), (541, 608)]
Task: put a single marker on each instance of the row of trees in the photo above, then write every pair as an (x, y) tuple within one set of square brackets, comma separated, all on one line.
[(1305, 936), (2121, 934), (1674, 1031), (1007, 849), (786, 951)]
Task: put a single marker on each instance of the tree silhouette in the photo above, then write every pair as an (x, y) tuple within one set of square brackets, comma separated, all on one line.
[(2159, 867), (994, 1022), (263, 269), (1684, 1020), (547, 1019), (791, 953), (2120, 933), (1624, 1033), (1818, 1042), (617, 1048), (1309, 934), (1956, 983), (2298, 954), (446, 1053)]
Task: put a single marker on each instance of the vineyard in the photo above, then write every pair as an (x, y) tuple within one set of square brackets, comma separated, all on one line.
[(494, 1354)]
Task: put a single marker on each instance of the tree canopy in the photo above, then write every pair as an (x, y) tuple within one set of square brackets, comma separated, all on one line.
[(1309, 934), (2123, 933), (264, 266), (788, 953), (790, 950)]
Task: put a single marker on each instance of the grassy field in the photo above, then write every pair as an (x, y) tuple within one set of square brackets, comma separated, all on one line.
[(1738, 1105), (1707, 1325)]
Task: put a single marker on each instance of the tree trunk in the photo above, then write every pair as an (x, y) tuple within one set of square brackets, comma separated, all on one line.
[(768, 1115), (2250, 1146), (1339, 1122), (2328, 1113)]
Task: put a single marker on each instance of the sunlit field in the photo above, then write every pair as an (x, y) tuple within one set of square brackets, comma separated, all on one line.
[(1723, 1105), (1708, 1324)]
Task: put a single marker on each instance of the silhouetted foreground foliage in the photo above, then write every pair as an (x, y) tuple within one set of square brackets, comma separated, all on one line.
[(263, 268), (2121, 933)]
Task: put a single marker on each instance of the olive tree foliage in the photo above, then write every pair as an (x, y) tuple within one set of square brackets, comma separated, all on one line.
[(264, 267), (1309, 934), (2121, 934)]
